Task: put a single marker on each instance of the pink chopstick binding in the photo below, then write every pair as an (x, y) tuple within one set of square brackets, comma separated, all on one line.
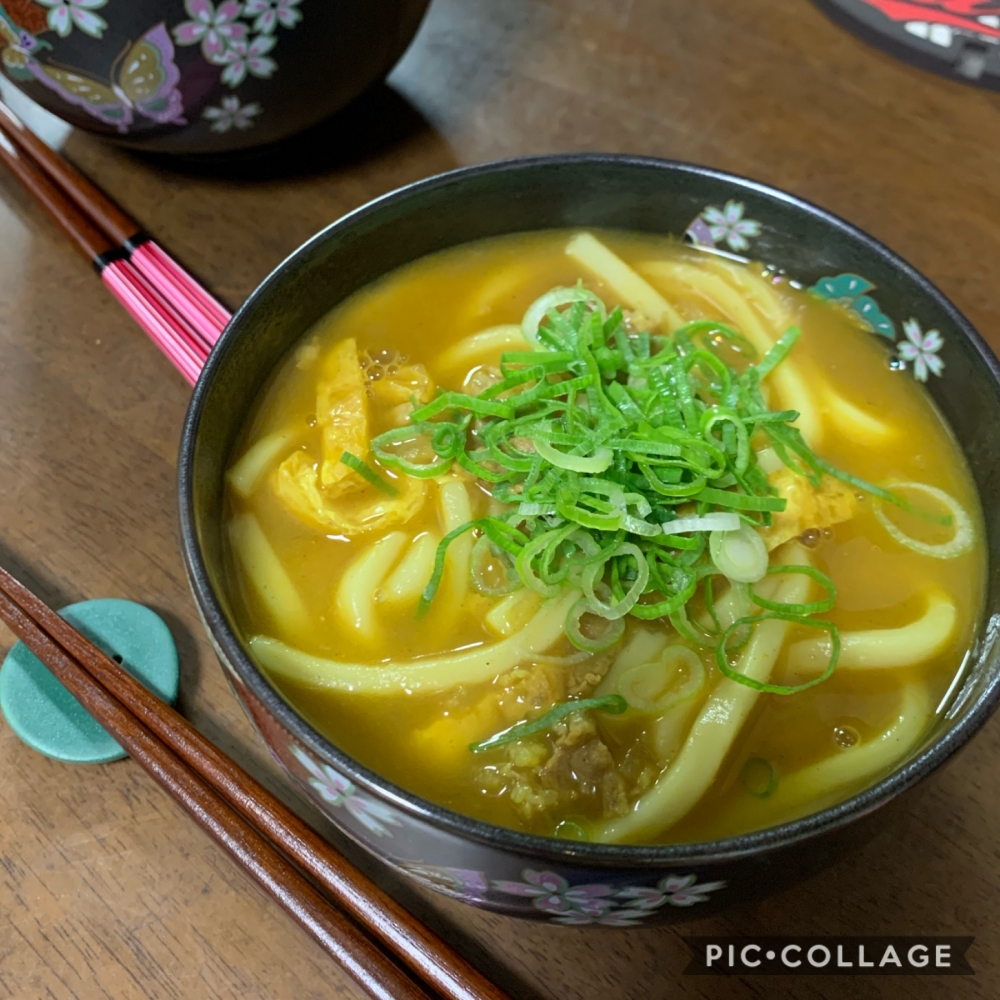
[(206, 316), (152, 312)]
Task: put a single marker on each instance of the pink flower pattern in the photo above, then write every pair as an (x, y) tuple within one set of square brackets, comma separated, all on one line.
[(231, 114), (271, 13), (241, 59), (339, 792), (727, 225), (64, 14), (217, 30), (226, 41), (603, 904), (677, 890), (921, 349), (459, 883)]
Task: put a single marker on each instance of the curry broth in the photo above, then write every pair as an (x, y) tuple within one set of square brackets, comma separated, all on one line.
[(426, 306)]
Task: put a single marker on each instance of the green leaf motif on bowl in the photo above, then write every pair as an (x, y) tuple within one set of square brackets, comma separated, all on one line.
[(849, 290)]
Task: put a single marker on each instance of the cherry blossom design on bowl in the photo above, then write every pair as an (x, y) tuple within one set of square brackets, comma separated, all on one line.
[(675, 890), (271, 13), (154, 74), (215, 29), (231, 114), (922, 350), (604, 904), (458, 883), (64, 15), (714, 226), (226, 36), (339, 792), (919, 349)]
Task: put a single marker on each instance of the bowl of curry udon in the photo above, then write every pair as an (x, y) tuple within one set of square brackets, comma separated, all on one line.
[(598, 539)]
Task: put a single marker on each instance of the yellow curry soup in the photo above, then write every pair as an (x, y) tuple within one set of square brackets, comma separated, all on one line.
[(330, 561)]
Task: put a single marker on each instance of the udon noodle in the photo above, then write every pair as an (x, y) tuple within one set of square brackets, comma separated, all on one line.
[(601, 536)]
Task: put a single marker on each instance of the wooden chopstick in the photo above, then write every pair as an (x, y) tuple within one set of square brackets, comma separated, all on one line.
[(150, 309), (204, 314), (391, 925), (84, 234), (107, 216), (359, 956), (170, 305)]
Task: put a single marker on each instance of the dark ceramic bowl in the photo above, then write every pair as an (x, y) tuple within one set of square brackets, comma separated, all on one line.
[(200, 76), (579, 883)]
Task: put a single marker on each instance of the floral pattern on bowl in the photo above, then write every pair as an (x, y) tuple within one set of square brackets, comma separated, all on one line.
[(604, 904), (64, 15), (143, 80), (716, 228), (487, 866), (919, 348), (340, 792), (558, 897), (459, 883), (922, 350), (850, 291), (546, 894), (186, 75)]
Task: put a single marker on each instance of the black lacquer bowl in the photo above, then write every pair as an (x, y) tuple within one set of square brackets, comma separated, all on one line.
[(563, 881), (200, 76)]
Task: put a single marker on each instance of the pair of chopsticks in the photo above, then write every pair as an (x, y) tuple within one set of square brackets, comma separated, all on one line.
[(386, 950), (179, 315), (268, 841)]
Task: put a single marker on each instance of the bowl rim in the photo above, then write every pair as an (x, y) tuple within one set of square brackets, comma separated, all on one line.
[(551, 849)]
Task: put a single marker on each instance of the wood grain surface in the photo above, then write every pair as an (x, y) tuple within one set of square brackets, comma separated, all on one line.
[(106, 889)]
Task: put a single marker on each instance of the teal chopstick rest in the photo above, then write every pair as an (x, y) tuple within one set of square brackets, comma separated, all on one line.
[(48, 718)]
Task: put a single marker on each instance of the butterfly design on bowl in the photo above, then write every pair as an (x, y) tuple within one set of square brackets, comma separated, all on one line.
[(141, 81)]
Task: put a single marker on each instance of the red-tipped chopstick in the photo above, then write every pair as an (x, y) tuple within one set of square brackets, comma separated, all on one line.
[(182, 760), (150, 309), (205, 316)]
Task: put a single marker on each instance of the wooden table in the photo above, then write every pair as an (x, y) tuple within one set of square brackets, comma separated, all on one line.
[(106, 889)]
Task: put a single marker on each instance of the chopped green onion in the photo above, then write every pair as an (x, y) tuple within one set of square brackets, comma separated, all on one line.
[(368, 473), (744, 346), (613, 704), (612, 631), (709, 522), (591, 464), (442, 550), (710, 603), (504, 535), (777, 353), (759, 777), (382, 444), (814, 607), (739, 501), (959, 543), (459, 400), (648, 688), (633, 466), (568, 830), (740, 555), (722, 662), (481, 552), (553, 300), (621, 607)]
